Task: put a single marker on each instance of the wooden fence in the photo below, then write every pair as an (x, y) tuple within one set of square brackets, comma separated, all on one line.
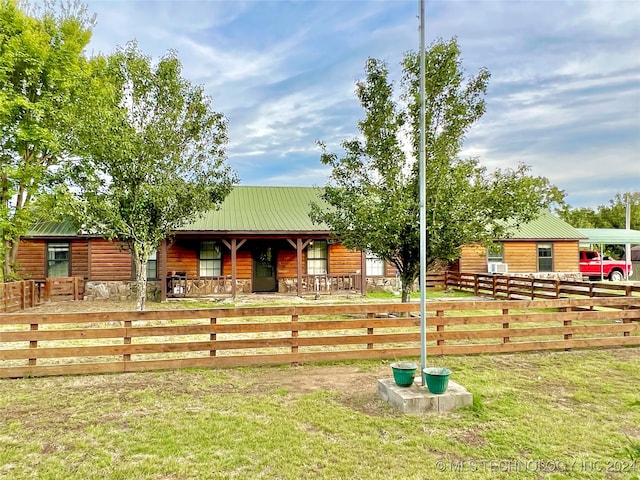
[(515, 287), (56, 344), (17, 296)]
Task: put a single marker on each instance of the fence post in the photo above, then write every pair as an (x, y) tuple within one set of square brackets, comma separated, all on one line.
[(22, 294), (127, 340), (533, 288), (439, 327), (212, 336), (33, 293), (370, 332), (33, 344), (505, 325), (567, 323), (476, 284), (294, 334), (557, 288)]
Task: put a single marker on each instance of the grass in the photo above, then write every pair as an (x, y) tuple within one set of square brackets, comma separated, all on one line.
[(539, 415)]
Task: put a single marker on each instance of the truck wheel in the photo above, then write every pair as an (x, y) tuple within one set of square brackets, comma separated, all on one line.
[(616, 276)]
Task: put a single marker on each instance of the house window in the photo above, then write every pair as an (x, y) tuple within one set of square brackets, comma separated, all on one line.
[(210, 259), (57, 260), (495, 252), (545, 257), (317, 258), (152, 266), (375, 265)]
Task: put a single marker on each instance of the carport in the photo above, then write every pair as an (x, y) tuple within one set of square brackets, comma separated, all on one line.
[(610, 236)]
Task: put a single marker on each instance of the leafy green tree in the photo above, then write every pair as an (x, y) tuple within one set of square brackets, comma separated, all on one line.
[(41, 66), (373, 190), (153, 155), (612, 215), (578, 217)]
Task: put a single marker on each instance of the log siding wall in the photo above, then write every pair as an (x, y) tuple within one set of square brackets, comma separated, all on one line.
[(110, 261), (522, 256), (32, 259)]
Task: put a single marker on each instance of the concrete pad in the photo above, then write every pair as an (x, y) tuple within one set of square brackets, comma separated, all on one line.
[(418, 399)]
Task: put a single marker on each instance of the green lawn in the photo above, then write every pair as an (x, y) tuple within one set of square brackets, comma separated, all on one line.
[(538, 415)]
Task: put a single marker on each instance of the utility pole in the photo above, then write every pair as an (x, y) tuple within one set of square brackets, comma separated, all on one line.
[(423, 208)]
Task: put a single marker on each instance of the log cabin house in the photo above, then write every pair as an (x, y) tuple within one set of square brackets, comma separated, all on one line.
[(262, 240)]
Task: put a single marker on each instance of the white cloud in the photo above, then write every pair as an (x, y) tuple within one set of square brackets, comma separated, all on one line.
[(564, 96)]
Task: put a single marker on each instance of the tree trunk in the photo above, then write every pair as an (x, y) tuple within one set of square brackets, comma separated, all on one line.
[(141, 280), (407, 286), (5, 264), (9, 260)]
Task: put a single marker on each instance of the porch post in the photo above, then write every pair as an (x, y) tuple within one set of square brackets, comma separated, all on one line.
[(299, 264), (233, 266), (363, 273), (163, 270), (234, 246)]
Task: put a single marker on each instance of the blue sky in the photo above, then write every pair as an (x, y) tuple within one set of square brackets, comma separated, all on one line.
[(564, 95)]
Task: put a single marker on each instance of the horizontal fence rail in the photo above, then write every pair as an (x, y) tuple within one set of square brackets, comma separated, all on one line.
[(520, 287), (78, 343)]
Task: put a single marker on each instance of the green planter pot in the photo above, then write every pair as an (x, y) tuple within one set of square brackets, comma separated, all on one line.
[(403, 373), (437, 379)]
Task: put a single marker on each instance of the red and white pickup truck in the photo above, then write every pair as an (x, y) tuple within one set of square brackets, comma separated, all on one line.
[(591, 266)]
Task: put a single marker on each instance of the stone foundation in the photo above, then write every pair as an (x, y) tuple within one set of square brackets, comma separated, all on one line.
[(384, 284), (118, 290)]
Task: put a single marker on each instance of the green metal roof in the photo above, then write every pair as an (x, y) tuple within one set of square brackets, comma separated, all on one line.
[(610, 236), (262, 209), (546, 227), (52, 229)]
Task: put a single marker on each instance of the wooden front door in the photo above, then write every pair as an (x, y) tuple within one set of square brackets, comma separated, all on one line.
[(264, 269)]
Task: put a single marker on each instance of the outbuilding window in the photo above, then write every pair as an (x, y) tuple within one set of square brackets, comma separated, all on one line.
[(545, 257), (495, 252), (57, 260)]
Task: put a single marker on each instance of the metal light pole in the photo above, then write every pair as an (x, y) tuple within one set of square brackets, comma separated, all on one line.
[(423, 208)]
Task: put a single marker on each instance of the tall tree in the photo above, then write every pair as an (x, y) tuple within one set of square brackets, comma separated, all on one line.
[(41, 66), (154, 156), (612, 215), (373, 190)]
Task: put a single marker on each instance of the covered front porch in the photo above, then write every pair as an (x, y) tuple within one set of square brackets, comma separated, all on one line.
[(192, 266)]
